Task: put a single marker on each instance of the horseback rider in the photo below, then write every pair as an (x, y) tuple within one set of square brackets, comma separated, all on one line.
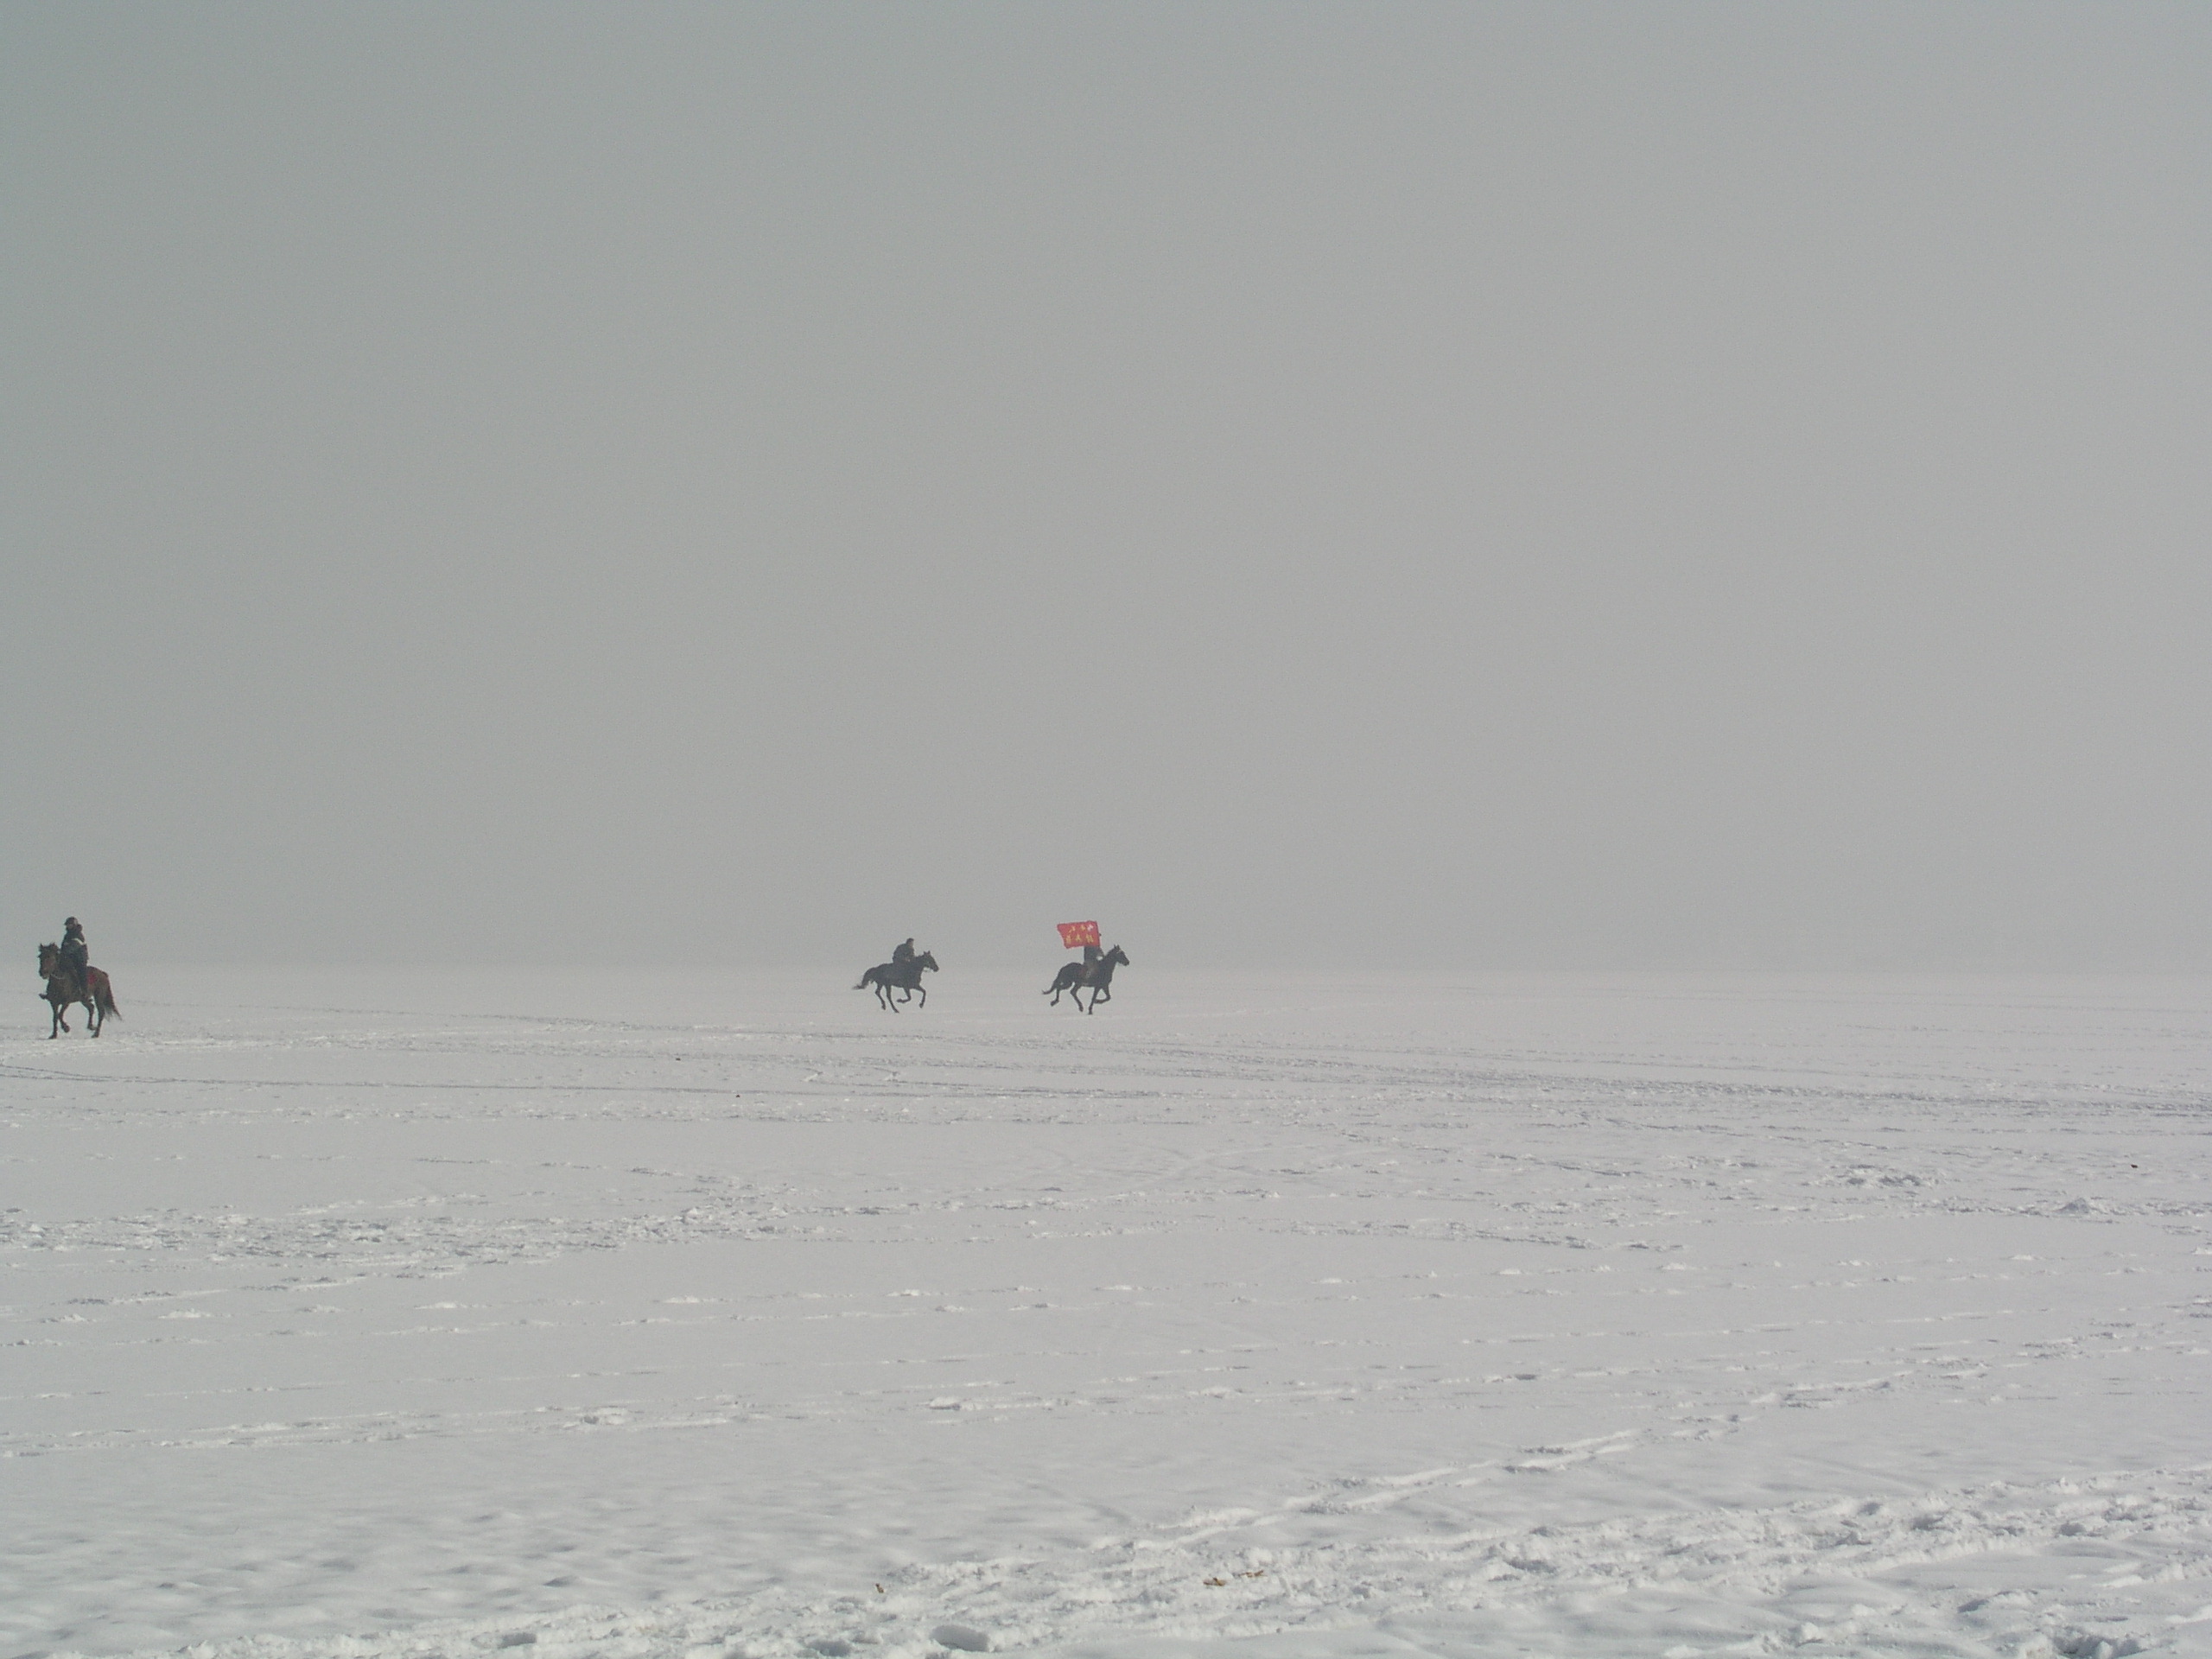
[(902, 954), (76, 955)]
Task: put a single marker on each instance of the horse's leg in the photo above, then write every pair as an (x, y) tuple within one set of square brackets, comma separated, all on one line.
[(925, 990)]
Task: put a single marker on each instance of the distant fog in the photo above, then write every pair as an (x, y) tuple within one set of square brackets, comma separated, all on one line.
[(1528, 485)]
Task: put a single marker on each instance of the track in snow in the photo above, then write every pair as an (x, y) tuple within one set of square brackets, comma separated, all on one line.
[(1514, 1314)]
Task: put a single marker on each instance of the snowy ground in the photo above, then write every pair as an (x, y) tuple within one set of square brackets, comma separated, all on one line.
[(361, 1313)]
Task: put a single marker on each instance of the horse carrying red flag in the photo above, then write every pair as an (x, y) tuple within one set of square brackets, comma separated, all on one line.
[(1074, 933)]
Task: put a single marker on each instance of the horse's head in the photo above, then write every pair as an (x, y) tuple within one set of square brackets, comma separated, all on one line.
[(50, 960), (927, 959), (1118, 956)]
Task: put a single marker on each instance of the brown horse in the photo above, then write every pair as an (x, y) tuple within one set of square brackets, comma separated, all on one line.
[(63, 988)]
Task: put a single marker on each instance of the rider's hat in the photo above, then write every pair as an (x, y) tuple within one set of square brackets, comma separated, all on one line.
[(71, 921)]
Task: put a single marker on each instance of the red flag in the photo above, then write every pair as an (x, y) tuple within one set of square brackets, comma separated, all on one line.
[(1074, 933)]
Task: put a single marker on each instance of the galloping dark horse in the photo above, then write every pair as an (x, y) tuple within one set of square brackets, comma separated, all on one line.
[(62, 989), (1098, 974), (907, 976)]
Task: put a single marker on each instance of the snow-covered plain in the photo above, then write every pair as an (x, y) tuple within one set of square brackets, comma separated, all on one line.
[(352, 1313)]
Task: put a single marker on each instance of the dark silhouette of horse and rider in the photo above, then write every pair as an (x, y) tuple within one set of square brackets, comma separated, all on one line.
[(902, 973), (1096, 970), (67, 970)]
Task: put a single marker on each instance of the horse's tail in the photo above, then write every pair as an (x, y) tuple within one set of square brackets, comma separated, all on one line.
[(863, 984)]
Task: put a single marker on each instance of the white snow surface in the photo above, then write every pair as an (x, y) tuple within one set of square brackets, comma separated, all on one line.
[(619, 1314)]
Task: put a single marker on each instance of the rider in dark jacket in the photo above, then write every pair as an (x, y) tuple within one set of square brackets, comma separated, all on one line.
[(76, 955), (902, 954)]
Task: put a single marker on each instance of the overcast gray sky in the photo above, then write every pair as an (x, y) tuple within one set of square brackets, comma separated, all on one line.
[(1541, 485)]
